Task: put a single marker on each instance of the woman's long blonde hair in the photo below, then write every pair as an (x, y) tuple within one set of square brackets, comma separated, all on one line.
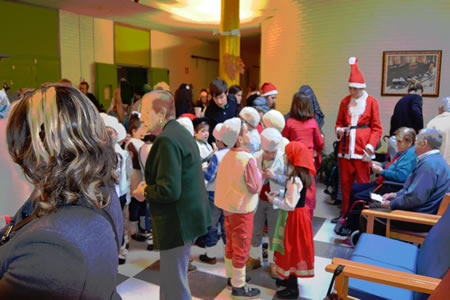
[(59, 140), (118, 106)]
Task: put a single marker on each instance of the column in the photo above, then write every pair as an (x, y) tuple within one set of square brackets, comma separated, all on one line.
[(229, 42)]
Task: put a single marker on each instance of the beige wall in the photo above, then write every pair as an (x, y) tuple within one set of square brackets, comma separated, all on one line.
[(84, 40), (103, 41), (174, 53), (309, 42), (251, 58)]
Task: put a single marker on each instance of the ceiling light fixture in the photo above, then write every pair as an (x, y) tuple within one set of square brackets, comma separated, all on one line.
[(207, 11)]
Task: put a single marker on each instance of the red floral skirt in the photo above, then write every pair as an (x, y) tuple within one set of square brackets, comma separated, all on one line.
[(298, 258)]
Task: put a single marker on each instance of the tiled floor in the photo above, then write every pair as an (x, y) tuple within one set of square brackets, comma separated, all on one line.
[(139, 277)]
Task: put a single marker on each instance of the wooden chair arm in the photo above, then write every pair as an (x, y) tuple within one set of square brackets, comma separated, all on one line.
[(416, 214), (411, 218), (381, 275)]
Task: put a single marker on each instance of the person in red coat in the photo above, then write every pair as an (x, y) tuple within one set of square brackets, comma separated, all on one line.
[(358, 128), (301, 126)]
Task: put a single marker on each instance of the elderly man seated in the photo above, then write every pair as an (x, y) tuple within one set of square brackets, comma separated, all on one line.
[(442, 123), (423, 189)]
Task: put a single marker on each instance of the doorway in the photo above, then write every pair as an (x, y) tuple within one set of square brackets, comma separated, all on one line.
[(131, 79)]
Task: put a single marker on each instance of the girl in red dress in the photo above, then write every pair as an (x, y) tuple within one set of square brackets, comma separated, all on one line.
[(293, 241), (301, 126)]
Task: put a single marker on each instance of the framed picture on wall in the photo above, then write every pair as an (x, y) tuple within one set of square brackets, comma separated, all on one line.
[(400, 67)]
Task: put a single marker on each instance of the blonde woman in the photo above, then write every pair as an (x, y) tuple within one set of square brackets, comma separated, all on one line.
[(63, 243), (115, 109)]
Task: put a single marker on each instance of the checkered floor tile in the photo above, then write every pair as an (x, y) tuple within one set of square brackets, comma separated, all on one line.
[(139, 276)]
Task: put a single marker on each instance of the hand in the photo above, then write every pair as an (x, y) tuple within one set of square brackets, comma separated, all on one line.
[(340, 133), (268, 173), (138, 193), (376, 163), (385, 204), (375, 204), (367, 156), (271, 196), (127, 138), (389, 196), (377, 169)]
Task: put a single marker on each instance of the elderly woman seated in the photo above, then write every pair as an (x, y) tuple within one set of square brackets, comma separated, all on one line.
[(395, 171)]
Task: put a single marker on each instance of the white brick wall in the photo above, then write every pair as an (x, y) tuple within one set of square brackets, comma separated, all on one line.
[(84, 40), (309, 42), (69, 37), (86, 25)]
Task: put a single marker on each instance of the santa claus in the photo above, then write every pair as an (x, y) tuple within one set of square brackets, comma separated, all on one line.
[(358, 128)]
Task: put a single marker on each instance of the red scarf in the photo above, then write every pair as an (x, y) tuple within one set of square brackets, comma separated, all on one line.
[(380, 178)]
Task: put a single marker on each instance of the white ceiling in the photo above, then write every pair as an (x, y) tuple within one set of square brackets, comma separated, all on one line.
[(165, 15)]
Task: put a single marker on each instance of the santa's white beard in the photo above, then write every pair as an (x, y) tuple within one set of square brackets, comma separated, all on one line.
[(357, 106)]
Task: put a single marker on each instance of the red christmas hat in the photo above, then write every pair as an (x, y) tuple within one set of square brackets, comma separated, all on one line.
[(300, 156), (188, 115), (268, 89), (356, 79)]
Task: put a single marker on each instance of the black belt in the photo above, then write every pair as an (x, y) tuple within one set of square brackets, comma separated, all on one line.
[(344, 145)]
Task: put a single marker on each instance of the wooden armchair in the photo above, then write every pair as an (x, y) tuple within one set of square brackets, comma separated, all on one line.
[(381, 267), (406, 216), (413, 282)]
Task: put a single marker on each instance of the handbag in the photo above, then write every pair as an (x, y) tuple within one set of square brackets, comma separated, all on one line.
[(331, 294)]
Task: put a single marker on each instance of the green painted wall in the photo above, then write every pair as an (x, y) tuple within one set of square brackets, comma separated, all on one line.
[(131, 46), (105, 83), (30, 35), (158, 75)]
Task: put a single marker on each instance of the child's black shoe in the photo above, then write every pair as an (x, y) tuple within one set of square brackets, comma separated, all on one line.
[(288, 293), (245, 292), (207, 260), (229, 286)]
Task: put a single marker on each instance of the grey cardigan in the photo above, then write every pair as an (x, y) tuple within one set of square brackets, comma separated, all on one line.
[(70, 254)]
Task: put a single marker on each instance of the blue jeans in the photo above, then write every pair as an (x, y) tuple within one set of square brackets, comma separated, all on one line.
[(211, 238), (137, 209)]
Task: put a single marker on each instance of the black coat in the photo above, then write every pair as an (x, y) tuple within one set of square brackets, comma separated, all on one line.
[(408, 113), (216, 115)]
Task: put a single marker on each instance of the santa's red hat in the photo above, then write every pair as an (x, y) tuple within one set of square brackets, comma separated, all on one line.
[(268, 89), (356, 79)]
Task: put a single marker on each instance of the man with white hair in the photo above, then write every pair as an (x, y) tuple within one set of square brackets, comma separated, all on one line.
[(428, 182), (423, 190), (442, 123)]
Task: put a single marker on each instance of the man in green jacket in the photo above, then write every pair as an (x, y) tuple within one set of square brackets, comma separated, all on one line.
[(174, 187)]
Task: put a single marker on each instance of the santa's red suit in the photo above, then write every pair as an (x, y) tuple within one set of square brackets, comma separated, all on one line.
[(361, 120)]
